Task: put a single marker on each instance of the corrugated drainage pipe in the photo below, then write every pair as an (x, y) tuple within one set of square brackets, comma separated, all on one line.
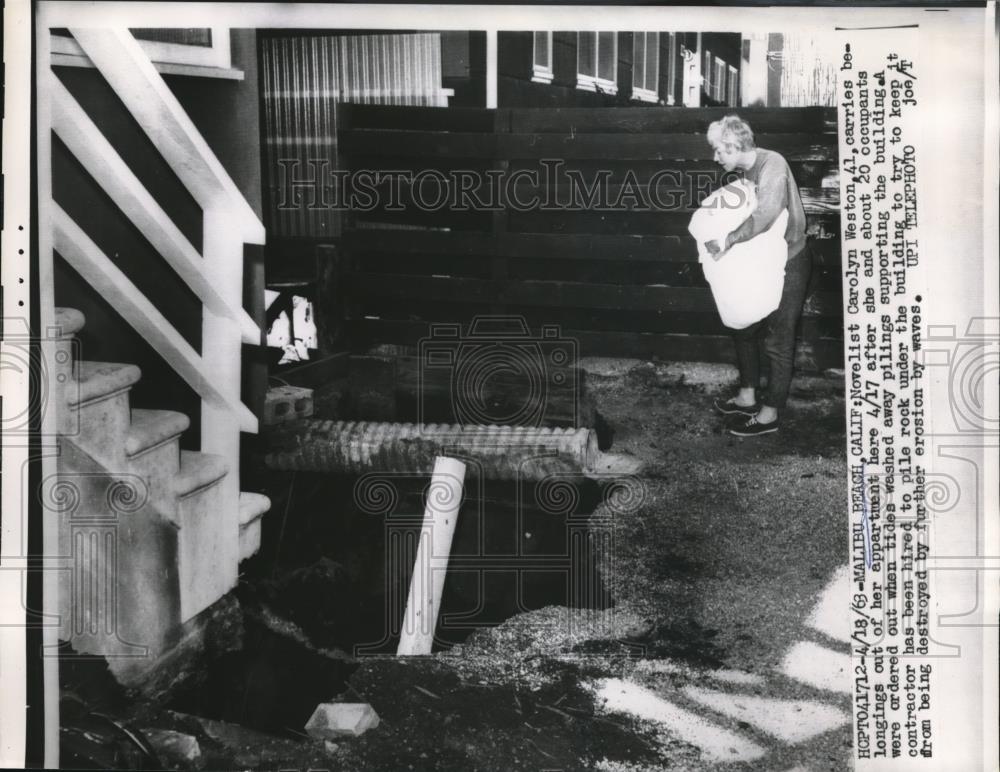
[(499, 452)]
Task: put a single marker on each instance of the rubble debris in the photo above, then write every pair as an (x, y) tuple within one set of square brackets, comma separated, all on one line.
[(173, 748), (332, 720), (286, 403)]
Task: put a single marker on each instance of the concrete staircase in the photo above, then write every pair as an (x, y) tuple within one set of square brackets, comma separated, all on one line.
[(139, 516)]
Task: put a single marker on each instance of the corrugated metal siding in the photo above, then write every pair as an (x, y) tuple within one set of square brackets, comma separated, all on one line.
[(303, 79), (808, 72)]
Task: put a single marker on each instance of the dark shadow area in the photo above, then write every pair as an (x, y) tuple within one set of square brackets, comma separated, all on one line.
[(338, 555)]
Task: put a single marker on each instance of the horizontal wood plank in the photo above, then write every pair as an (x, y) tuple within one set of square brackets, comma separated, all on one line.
[(665, 147), (636, 120), (556, 293), (555, 246), (701, 176), (559, 246), (811, 355), (704, 322), (416, 117), (532, 189), (641, 120), (644, 222), (374, 142)]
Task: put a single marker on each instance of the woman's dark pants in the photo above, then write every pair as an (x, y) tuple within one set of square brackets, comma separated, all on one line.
[(774, 336)]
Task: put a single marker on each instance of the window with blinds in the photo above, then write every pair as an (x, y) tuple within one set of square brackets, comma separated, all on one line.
[(541, 59), (596, 61), (645, 66), (303, 80), (733, 87)]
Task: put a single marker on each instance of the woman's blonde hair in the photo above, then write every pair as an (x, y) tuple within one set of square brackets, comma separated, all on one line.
[(732, 132)]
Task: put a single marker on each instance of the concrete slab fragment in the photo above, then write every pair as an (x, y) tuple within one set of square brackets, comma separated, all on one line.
[(818, 666), (831, 614), (332, 720), (715, 743), (790, 720)]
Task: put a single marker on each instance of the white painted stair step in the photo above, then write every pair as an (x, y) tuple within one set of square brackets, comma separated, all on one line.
[(62, 384), (69, 321), (206, 565), (98, 416), (252, 506), (154, 433), (252, 509), (198, 471), (104, 379)]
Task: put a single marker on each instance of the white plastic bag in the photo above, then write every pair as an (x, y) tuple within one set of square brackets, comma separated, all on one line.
[(748, 279)]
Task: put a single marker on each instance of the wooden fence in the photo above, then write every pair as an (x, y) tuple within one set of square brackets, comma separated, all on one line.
[(621, 279)]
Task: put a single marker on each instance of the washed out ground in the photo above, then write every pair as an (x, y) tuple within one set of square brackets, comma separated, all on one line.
[(721, 549)]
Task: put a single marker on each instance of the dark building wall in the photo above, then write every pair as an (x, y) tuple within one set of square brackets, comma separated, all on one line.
[(463, 67), (227, 114), (775, 42), (516, 89), (728, 46)]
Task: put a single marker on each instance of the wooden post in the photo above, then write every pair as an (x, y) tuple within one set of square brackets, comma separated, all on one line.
[(499, 269), (491, 69), (220, 429), (51, 601), (444, 498), (330, 303)]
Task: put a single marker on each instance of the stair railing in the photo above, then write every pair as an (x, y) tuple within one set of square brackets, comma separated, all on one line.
[(215, 275)]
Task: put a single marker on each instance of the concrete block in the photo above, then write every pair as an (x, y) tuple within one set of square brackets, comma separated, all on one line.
[(286, 403), (332, 720)]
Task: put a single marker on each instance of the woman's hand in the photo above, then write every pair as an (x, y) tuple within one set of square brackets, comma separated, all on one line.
[(715, 250)]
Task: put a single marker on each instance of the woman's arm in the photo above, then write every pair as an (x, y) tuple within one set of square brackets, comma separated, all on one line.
[(772, 199)]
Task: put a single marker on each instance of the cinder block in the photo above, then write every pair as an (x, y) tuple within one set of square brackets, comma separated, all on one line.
[(332, 720), (286, 403)]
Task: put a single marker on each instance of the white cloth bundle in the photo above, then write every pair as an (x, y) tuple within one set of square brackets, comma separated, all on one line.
[(747, 280)]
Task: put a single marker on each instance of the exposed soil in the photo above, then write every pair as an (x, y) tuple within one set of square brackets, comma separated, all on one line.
[(718, 551)]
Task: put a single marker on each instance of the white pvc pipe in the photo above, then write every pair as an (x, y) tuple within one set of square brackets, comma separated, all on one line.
[(444, 498)]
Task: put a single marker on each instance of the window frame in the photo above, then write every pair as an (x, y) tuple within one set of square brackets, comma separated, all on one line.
[(541, 73), (595, 83), (706, 71), (718, 86), (732, 87), (217, 56), (671, 68), (643, 92)]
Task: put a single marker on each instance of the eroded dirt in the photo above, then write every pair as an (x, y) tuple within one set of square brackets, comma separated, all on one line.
[(720, 547)]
